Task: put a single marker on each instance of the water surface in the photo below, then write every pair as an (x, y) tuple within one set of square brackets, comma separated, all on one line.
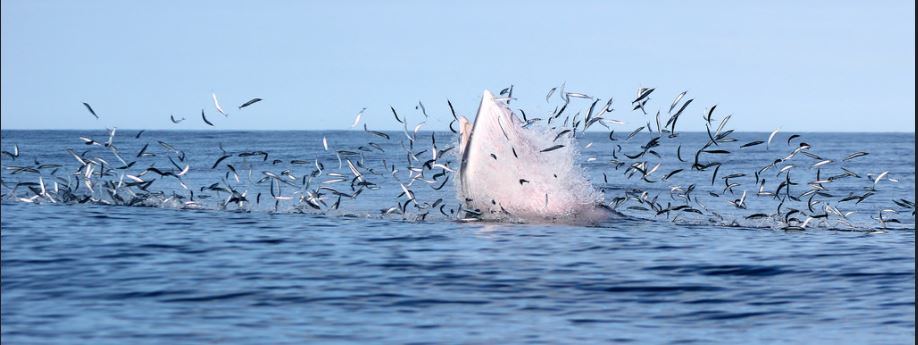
[(101, 274)]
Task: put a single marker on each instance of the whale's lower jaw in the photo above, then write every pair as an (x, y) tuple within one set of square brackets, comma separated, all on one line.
[(586, 216), (506, 175)]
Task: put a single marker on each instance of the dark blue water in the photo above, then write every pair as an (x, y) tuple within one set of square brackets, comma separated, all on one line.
[(221, 272)]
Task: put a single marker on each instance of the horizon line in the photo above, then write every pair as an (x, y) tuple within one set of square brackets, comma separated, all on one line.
[(398, 130)]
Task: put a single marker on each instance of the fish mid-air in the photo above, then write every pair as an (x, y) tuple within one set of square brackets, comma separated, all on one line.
[(512, 172)]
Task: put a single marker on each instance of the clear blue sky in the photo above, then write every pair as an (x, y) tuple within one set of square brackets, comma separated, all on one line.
[(801, 66)]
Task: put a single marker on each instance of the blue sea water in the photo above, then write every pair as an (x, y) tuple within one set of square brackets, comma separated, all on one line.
[(255, 273)]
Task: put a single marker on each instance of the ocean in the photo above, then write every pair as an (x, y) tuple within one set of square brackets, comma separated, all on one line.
[(263, 265)]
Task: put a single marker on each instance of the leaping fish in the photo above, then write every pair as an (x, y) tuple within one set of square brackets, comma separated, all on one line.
[(205, 118), (357, 119), (93, 112), (246, 104), (217, 104)]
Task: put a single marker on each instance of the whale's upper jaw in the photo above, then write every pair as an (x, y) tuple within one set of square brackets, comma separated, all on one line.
[(490, 112), (466, 129), (465, 137)]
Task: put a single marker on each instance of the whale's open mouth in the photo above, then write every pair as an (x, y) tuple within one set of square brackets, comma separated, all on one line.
[(509, 171)]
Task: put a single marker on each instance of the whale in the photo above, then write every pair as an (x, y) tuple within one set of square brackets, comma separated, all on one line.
[(511, 171)]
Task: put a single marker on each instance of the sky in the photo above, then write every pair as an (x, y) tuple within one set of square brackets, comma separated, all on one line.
[(799, 66)]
